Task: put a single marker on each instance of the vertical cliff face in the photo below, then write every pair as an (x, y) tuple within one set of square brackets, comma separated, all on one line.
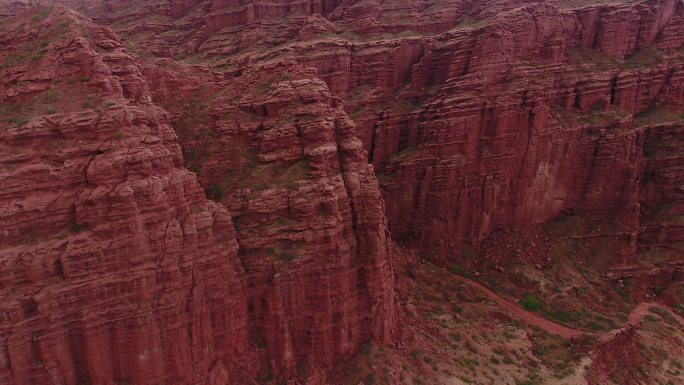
[(225, 13), (535, 116), (476, 115), (278, 150), (115, 268), (661, 205), (202, 201)]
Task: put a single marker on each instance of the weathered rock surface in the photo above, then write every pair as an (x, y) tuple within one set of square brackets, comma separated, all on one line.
[(114, 268), (10, 8), (517, 135), (308, 212), (477, 116)]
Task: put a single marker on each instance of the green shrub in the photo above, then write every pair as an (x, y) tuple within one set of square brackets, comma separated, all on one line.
[(51, 96), (471, 347), (643, 58), (561, 315), (18, 121), (286, 256), (27, 53), (41, 15), (655, 116), (593, 325), (530, 303), (214, 192), (282, 255), (366, 349)]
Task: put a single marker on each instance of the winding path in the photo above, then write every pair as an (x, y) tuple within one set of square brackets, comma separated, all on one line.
[(639, 312), (527, 316), (635, 316)]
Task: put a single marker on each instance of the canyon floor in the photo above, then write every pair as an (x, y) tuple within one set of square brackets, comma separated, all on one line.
[(458, 331), (475, 324)]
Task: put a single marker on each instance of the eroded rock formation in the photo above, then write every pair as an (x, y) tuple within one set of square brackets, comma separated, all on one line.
[(476, 116), (115, 267)]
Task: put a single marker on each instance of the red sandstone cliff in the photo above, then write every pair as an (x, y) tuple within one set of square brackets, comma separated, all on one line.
[(535, 116), (277, 148), (477, 116), (114, 266)]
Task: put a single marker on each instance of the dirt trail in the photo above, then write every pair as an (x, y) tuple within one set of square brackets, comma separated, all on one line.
[(635, 316), (639, 312), (527, 316)]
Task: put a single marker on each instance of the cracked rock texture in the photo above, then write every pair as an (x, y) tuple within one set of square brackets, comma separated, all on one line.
[(207, 191), (478, 116), (115, 268)]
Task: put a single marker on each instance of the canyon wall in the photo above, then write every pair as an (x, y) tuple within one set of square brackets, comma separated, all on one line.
[(278, 150), (230, 12), (533, 116), (115, 268), (212, 210), (487, 115)]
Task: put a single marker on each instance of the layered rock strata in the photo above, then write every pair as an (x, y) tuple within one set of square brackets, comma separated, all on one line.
[(114, 266)]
